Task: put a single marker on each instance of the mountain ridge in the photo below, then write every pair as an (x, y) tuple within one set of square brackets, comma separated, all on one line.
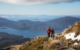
[(59, 42), (31, 25)]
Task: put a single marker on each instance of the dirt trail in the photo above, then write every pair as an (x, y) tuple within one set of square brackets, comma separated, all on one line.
[(16, 47)]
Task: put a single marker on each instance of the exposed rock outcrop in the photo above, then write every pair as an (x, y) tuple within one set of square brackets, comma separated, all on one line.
[(71, 36)]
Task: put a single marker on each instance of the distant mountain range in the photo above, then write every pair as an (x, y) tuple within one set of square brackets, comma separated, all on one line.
[(59, 23)]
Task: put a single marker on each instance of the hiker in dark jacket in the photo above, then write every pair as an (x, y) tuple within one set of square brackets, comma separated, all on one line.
[(48, 31), (52, 32)]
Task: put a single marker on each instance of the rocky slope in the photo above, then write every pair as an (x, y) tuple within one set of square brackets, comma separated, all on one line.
[(71, 36), (63, 41), (69, 39)]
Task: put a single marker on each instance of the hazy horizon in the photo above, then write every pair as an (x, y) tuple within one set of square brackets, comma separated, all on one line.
[(41, 18)]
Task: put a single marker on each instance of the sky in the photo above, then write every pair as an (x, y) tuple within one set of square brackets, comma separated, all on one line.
[(39, 7)]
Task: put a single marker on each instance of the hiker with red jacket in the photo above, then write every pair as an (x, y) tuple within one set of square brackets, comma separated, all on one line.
[(49, 31)]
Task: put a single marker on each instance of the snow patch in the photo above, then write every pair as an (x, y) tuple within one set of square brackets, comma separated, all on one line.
[(71, 36)]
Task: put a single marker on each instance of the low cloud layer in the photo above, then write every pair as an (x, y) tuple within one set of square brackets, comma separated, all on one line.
[(35, 1)]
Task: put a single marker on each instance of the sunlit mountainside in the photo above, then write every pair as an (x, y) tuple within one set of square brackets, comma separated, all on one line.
[(69, 39)]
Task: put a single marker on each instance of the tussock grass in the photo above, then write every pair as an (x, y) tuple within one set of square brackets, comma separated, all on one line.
[(58, 43)]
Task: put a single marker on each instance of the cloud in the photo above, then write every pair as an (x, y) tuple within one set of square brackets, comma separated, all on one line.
[(35, 1)]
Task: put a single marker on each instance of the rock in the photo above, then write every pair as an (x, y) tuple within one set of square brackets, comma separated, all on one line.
[(69, 49)]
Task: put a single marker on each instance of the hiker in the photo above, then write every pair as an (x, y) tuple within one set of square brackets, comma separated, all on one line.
[(48, 31), (52, 33)]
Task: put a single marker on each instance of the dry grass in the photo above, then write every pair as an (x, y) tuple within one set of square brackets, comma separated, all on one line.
[(16, 47), (35, 44), (74, 28), (58, 43)]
